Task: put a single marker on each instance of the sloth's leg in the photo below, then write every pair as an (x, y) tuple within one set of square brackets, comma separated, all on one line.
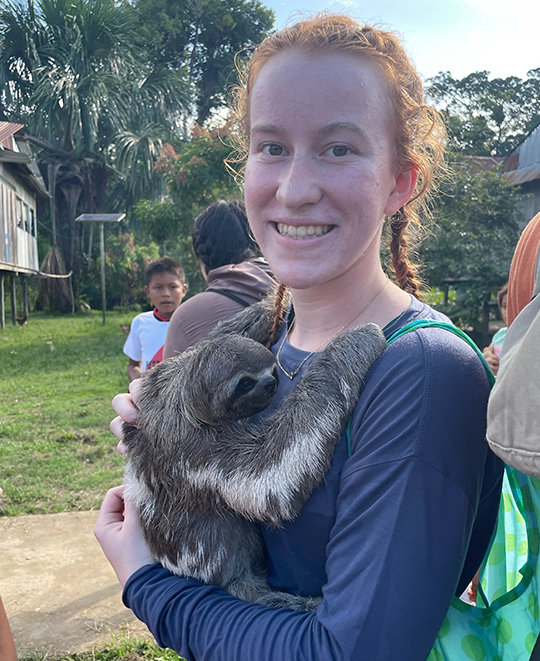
[(252, 588), (269, 472)]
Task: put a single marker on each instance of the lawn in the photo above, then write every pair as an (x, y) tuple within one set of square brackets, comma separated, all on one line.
[(128, 649), (58, 375)]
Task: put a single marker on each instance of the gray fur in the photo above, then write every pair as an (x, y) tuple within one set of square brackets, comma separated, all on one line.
[(201, 476)]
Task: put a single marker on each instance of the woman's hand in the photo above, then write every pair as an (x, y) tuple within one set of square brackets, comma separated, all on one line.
[(126, 407), (118, 530)]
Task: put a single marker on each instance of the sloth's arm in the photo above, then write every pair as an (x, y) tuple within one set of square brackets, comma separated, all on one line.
[(270, 472), (254, 322)]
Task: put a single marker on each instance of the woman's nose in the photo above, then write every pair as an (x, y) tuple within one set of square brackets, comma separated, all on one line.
[(299, 184)]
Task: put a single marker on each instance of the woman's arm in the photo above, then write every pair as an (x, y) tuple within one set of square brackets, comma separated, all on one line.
[(406, 510)]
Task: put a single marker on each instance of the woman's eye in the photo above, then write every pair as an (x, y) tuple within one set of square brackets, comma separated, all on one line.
[(339, 150), (273, 150)]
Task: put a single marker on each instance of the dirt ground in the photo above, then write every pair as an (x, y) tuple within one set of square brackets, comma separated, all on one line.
[(59, 591)]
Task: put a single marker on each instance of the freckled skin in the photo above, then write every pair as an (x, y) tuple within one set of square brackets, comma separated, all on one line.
[(321, 152)]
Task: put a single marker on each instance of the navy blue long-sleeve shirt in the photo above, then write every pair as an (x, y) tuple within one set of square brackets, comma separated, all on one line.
[(399, 526)]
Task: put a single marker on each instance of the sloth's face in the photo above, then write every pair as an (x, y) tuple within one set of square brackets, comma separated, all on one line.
[(227, 378), (253, 391), (243, 381)]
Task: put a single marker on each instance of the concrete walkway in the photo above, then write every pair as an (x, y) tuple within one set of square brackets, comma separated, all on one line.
[(59, 591)]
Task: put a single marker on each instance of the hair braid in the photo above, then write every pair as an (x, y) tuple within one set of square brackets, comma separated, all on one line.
[(280, 300), (406, 272)]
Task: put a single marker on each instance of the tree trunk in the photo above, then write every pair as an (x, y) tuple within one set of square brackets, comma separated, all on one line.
[(52, 171)]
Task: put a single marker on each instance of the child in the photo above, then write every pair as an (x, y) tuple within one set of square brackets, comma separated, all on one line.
[(165, 287), (493, 353)]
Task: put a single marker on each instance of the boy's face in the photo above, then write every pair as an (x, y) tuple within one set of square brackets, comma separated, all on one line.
[(165, 291)]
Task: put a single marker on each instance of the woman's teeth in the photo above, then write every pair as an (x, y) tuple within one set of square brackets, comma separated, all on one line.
[(303, 231)]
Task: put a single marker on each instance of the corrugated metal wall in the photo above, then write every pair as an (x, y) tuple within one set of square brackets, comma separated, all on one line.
[(18, 244)]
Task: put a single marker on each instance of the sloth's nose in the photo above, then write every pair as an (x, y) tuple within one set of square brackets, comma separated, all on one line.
[(269, 383)]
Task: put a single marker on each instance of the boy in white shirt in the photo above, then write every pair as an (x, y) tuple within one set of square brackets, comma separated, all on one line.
[(165, 287)]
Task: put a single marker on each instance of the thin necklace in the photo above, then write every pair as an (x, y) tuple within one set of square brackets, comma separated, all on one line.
[(291, 375)]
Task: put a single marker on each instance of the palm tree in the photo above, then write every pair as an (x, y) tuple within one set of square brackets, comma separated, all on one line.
[(71, 71)]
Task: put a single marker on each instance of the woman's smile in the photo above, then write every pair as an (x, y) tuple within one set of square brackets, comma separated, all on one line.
[(303, 231)]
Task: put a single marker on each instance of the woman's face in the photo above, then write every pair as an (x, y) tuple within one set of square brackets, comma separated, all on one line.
[(321, 170)]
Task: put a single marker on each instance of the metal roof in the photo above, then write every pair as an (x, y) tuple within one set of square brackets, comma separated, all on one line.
[(7, 129), (523, 163)]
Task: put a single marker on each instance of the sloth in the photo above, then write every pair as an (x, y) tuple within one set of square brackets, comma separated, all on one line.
[(203, 478)]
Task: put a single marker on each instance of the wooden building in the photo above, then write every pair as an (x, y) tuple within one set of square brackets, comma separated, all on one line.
[(20, 182), (522, 168)]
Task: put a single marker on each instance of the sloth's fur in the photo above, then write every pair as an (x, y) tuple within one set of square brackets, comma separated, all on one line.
[(201, 476)]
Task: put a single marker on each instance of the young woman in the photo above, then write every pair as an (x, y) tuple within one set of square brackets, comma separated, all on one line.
[(341, 146)]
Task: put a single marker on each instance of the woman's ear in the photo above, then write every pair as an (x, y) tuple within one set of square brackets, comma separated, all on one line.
[(404, 187)]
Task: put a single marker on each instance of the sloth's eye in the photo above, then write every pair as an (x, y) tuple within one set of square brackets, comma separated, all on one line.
[(246, 383)]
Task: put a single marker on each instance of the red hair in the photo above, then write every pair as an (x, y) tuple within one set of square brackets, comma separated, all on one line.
[(419, 131)]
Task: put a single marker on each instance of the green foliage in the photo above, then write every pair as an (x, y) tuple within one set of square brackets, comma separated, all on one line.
[(203, 36), (125, 261), (471, 247), (487, 117), (71, 71), (196, 176), (59, 375)]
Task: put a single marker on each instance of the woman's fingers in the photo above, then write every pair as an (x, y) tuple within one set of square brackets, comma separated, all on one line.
[(117, 427), (112, 508), (124, 406), (118, 530)]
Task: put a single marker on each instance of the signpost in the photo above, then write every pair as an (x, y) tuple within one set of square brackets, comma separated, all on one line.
[(102, 218)]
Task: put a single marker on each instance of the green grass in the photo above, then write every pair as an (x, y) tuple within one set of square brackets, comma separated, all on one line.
[(56, 451), (128, 649)]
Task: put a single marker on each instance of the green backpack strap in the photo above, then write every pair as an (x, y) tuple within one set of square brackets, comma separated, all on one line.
[(432, 323), (428, 323), (505, 624)]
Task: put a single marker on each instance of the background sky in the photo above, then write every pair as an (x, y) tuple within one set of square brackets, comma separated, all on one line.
[(460, 36)]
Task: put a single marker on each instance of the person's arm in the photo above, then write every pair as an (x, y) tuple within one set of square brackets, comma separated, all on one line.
[(492, 358), (133, 350), (7, 645), (134, 370), (399, 519)]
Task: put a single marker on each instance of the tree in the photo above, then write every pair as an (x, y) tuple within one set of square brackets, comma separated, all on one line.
[(125, 263), (487, 117), (477, 227), (202, 38), (196, 175), (70, 70)]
